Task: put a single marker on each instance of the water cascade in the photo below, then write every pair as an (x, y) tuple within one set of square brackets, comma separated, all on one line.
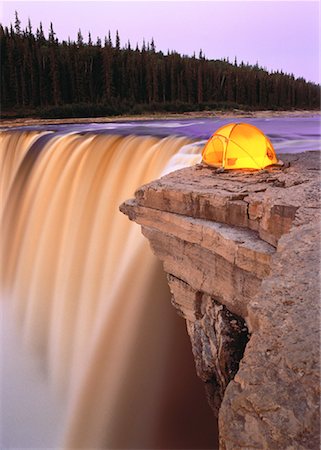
[(88, 297)]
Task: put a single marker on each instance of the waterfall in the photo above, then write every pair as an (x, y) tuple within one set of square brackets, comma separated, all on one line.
[(89, 299)]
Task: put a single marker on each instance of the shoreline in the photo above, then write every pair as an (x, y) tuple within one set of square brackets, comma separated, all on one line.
[(11, 123)]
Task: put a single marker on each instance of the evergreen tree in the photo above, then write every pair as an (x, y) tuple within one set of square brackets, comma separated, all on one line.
[(152, 46), (29, 29), (80, 39), (17, 24), (117, 41), (40, 34), (51, 36)]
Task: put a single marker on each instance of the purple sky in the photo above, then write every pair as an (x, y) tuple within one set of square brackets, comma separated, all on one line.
[(278, 34)]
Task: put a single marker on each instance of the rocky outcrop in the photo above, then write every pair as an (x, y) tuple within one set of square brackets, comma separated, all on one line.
[(242, 254)]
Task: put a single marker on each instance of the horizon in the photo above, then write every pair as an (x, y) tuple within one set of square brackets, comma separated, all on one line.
[(145, 20)]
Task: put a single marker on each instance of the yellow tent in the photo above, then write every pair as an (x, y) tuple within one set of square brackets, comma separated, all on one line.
[(239, 146)]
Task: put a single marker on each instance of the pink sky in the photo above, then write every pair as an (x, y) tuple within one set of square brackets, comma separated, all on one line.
[(278, 34)]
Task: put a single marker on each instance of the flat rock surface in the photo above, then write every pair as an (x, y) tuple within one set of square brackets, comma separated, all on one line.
[(264, 201)]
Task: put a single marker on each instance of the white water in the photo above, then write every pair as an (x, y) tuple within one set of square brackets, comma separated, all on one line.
[(102, 360)]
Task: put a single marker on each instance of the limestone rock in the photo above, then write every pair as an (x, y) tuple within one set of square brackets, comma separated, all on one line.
[(274, 400), (242, 254)]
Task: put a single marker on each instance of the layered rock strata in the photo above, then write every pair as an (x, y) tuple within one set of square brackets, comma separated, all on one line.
[(242, 254)]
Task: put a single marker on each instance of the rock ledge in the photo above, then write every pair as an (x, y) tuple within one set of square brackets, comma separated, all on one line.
[(242, 254)]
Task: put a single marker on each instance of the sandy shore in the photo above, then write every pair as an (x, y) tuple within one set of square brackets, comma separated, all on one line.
[(158, 116)]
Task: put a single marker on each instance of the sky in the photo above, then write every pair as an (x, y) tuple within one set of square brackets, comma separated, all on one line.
[(278, 34)]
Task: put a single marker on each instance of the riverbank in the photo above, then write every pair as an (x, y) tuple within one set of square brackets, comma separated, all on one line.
[(8, 123)]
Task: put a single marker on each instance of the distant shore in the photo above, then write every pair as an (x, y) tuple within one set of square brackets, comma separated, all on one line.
[(8, 123)]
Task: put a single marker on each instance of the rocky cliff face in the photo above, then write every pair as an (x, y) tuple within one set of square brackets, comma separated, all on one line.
[(242, 254)]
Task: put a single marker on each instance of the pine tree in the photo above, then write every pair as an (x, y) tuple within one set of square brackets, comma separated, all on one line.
[(117, 41), (29, 29), (52, 34), (17, 24), (40, 34), (152, 46), (80, 39)]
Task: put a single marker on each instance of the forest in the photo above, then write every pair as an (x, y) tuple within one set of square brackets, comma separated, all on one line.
[(43, 77)]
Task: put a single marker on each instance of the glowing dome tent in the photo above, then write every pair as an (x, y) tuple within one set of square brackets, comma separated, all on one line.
[(239, 146)]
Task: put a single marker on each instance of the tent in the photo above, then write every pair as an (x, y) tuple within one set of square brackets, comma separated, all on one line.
[(239, 146)]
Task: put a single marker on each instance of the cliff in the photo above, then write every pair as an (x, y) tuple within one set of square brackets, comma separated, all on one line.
[(242, 254)]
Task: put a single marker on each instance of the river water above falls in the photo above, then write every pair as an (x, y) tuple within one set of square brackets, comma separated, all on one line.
[(288, 134), (95, 356)]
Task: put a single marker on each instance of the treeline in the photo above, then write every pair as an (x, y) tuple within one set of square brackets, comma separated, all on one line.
[(79, 78)]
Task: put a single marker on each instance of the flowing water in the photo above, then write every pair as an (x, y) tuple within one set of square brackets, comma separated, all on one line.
[(89, 298), (86, 296)]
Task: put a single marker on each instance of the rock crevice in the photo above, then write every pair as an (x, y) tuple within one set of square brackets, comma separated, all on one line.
[(218, 337)]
